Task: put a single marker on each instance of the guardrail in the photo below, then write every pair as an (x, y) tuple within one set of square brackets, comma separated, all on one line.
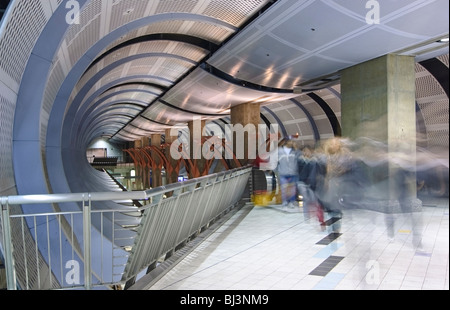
[(95, 246)]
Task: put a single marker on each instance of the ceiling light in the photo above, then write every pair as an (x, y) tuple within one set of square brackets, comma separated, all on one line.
[(444, 40)]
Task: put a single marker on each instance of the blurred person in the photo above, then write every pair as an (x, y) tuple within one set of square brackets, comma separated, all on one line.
[(344, 181), (393, 183), (335, 158), (287, 169), (407, 171), (405, 190), (310, 170), (305, 166)]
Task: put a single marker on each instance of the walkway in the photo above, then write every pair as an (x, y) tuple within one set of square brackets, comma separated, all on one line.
[(267, 248)]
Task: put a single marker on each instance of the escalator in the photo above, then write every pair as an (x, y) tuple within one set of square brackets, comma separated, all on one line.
[(264, 187)]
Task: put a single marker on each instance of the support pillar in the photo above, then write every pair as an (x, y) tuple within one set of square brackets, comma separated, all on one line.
[(245, 143), (378, 102)]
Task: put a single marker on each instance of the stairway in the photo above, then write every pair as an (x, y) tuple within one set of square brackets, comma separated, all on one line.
[(117, 186)]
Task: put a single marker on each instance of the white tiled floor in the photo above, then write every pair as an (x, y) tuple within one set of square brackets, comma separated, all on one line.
[(265, 248)]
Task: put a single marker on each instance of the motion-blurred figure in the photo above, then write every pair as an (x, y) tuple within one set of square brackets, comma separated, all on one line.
[(340, 178), (287, 170), (393, 177), (311, 175)]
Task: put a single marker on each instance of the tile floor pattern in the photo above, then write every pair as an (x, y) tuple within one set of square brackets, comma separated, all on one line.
[(268, 248)]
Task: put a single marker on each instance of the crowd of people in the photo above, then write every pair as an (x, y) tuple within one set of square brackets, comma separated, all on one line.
[(316, 176), (341, 174)]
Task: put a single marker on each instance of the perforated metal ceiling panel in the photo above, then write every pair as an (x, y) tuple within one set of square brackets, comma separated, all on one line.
[(434, 107), (7, 105), (20, 34), (20, 28), (163, 62)]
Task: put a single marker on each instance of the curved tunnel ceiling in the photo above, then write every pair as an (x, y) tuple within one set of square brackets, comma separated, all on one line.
[(158, 58), (195, 71), (132, 68)]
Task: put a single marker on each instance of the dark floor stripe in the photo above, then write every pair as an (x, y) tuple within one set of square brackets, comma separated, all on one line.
[(331, 221), (330, 238), (326, 266)]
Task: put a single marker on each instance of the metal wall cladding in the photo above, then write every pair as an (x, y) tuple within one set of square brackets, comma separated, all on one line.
[(7, 106), (21, 28)]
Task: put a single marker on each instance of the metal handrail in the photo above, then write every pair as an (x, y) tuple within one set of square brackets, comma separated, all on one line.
[(214, 193)]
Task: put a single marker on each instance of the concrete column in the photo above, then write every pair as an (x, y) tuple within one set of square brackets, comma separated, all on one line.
[(246, 114), (378, 102), (156, 171)]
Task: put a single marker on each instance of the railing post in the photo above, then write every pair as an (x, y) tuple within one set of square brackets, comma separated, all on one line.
[(8, 247), (87, 242)]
